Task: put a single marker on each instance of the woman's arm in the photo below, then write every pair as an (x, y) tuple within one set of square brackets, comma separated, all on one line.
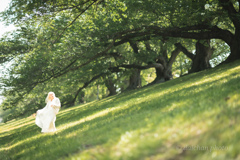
[(56, 104), (55, 107)]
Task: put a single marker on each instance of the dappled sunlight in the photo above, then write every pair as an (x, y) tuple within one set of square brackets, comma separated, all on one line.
[(88, 118), (65, 126), (189, 82), (67, 110), (126, 144), (84, 107), (23, 141), (174, 105), (155, 122), (234, 101), (122, 106), (150, 97), (219, 79), (167, 137), (16, 124), (214, 76), (106, 111)]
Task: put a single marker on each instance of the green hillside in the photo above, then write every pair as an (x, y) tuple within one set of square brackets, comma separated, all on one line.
[(193, 117)]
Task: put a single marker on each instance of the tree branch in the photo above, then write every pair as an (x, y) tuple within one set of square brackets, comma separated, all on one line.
[(130, 66), (85, 85), (125, 38), (238, 6), (185, 51), (190, 32), (228, 6), (68, 69), (134, 46), (72, 7), (173, 57), (232, 13), (74, 20), (147, 45)]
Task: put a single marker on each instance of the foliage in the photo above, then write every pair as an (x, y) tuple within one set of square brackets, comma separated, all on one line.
[(70, 46)]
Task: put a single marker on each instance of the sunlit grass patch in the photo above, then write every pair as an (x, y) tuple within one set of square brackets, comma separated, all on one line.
[(192, 117)]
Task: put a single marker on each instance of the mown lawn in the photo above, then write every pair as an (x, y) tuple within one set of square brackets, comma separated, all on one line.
[(193, 117)]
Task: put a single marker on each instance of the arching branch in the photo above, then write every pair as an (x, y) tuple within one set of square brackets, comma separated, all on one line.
[(84, 86), (185, 51), (130, 66), (74, 20), (173, 57), (69, 68), (191, 32), (113, 70), (134, 46), (232, 13)]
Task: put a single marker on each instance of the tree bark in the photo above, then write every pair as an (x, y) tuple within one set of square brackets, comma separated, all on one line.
[(110, 86), (235, 47), (81, 96), (71, 102), (135, 80), (189, 32), (200, 61), (234, 16), (164, 73), (203, 55)]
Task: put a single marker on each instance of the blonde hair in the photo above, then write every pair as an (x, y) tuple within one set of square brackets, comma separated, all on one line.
[(47, 99)]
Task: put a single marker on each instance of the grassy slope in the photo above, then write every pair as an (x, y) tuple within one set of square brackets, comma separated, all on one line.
[(186, 118)]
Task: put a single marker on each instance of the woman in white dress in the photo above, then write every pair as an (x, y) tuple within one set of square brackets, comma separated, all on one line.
[(46, 117)]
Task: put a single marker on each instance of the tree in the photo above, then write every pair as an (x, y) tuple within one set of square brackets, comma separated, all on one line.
[(201, 60), (201, 28), (72, 43)]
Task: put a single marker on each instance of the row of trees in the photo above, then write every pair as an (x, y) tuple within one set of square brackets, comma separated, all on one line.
[(71, 46)]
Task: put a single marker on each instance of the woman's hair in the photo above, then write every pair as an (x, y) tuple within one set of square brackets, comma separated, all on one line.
[(47, 99)]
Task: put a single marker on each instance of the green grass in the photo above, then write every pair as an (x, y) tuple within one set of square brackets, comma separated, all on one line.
[(193, 117)]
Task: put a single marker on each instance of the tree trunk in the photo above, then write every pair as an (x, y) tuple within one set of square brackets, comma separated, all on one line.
[(164, 73), (161, 76), (161, 72), (110, 86), (200, 61), (203, 54), (97, 92), (81, 96), (233, 15), (135, 80), (235, 47)]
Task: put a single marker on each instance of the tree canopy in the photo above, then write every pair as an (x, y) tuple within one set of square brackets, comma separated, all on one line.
[(72, 46)]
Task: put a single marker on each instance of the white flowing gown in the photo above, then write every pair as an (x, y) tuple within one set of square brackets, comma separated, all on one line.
[(46, 117)]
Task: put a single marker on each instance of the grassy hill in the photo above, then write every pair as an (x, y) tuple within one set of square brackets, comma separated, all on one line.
[(193, 117)]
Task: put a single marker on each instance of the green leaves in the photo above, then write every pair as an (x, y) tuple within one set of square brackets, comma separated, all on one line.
[(61, 45)]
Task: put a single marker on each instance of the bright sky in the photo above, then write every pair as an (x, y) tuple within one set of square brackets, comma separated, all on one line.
[(3, 5)]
